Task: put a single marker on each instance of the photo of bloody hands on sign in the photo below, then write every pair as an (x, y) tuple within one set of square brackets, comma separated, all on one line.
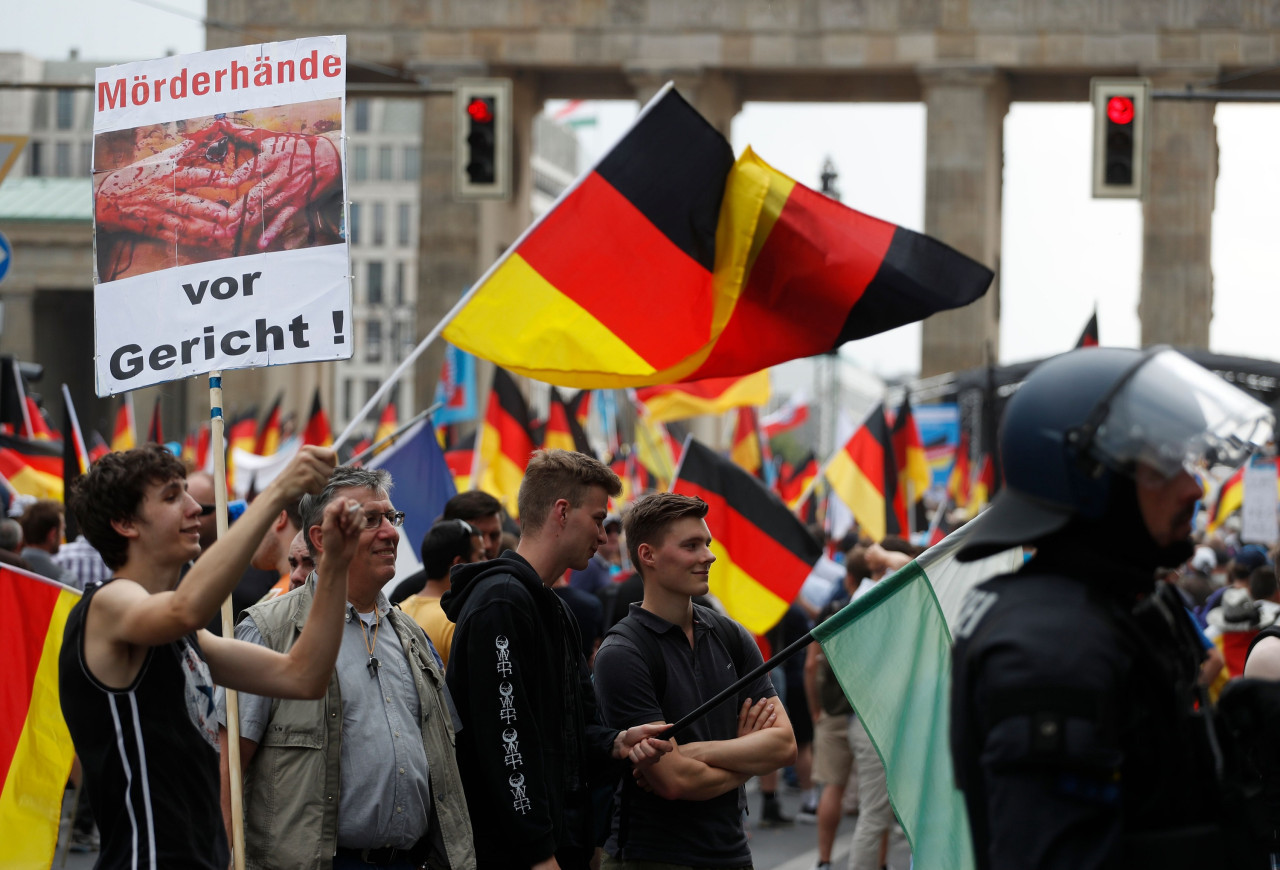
[(214, 188)]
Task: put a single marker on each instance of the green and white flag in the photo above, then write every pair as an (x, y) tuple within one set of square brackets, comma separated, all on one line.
[(891, 651)]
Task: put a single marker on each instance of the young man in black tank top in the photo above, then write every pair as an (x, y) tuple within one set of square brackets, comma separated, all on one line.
[(136, 671)]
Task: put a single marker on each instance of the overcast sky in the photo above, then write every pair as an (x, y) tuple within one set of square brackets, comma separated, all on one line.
[(1063, 254)]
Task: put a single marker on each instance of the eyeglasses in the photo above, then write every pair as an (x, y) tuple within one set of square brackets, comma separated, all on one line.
[(373, 519)]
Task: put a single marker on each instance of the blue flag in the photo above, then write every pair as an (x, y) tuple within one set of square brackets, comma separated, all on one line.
[(422, 480)]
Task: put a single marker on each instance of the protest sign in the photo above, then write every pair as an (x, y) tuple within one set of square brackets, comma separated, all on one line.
[(219, 220)]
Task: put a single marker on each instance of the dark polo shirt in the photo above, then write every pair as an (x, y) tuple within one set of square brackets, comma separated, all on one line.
[(691, 833)]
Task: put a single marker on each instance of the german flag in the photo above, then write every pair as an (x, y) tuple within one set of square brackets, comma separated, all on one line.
[(908, 449), (654, 452), (562, 429), (155, 432), (864, 474), (958, 484), (738, 266), (242, 433), (195, 447), (34, 468), (505, 444), (35, 745), (1089, 338), (984, 486), (98, 446), (40, 429), (763, 553), (580, 407), (1230, 499), (123, 436), (793, 481), (317, 430), (747, 450), (268, 440), (711, 396), (460, 460)]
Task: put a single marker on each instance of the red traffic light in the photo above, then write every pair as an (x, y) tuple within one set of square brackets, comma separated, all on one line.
[(1120, 110), (480, 110)]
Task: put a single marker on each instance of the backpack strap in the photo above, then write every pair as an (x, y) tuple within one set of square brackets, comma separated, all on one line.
[(647, 645), (727, 630)]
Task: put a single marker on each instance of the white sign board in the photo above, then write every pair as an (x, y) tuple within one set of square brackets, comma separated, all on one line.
[(220, 234), (1258, 523)]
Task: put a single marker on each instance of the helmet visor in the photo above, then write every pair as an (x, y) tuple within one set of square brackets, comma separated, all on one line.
[(1174, 415)]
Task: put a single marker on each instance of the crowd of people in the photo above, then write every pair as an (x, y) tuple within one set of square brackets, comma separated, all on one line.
[(1113, 702)]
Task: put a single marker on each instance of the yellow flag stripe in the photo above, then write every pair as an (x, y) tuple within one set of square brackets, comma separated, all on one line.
[(752, 604), (861, 496)]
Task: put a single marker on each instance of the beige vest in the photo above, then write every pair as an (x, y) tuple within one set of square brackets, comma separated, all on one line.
[(291, 787)]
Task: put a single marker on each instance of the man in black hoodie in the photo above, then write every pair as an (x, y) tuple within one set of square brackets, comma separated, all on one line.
[(531, 745), (1075, 732)]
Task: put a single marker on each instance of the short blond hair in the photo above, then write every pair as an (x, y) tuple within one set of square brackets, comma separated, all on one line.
[(560, 474)]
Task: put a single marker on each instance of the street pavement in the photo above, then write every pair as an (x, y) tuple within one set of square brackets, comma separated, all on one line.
[(792, 847)]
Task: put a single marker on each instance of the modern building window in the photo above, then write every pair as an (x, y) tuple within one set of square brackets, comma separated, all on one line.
[(66, 109), (386, 171), (373, 342), (353, 213), (62, 159), (360, 109), (35, 159), (374, 290), (379, 224), (348, 385), (370, 387), (411, 162), (86, 158), (399, 283), (360, 163), (404, 224)]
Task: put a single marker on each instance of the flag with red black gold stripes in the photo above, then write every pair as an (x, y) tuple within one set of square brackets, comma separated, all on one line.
[(669, 262), (763, 553), (506, 442)]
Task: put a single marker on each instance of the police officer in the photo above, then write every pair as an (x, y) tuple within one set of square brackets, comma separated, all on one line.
[(1075, 734)]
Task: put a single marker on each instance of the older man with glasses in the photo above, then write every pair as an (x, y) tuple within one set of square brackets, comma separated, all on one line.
[(366, 775)]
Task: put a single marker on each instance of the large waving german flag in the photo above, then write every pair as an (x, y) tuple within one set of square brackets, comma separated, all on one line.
[(864, 474), (505, 443), (671, 262), (33, 467), (763, 553), (709, 396), (35, 745)]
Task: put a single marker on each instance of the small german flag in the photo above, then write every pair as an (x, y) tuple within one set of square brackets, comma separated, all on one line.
[(763, 553), (460, 459), (268, 440), (123, 436), (738, 266), (40, 428), (505, 443), (958, 484), (155, 432), (1230, 499), (793, 481), (388, 422), (317, 430), (242, 433), (864, 474), (908, 449), (34, 468), (1089, 338), (710, 396), (562, 429), (747, 450), (984, 486)]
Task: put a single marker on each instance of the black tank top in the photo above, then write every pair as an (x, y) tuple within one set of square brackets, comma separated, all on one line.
[(149, 753)]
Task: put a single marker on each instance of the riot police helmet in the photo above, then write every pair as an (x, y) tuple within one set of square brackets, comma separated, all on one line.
[(1083, 418)]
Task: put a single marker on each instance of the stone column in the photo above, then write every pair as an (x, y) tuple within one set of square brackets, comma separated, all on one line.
[(964, 160), (1176, 300), (713, 93)]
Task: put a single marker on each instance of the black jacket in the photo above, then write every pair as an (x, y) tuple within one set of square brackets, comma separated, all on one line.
[(1074, 731), (531, 739)]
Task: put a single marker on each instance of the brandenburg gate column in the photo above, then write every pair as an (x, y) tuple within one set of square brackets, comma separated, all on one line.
[(1176, 300), (964, 161)]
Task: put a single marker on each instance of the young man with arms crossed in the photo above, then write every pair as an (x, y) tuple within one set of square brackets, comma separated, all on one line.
[(531, 742), (136, 672), (689, 811)]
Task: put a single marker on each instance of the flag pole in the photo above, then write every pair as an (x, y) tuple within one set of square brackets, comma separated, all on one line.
[(413, 421), (732, 691), (217, 450)]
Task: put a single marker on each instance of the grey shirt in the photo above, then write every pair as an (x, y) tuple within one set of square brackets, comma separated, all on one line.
[(384, 797)]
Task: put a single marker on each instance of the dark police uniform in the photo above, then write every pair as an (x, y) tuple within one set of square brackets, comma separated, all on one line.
[(1074, 730)]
